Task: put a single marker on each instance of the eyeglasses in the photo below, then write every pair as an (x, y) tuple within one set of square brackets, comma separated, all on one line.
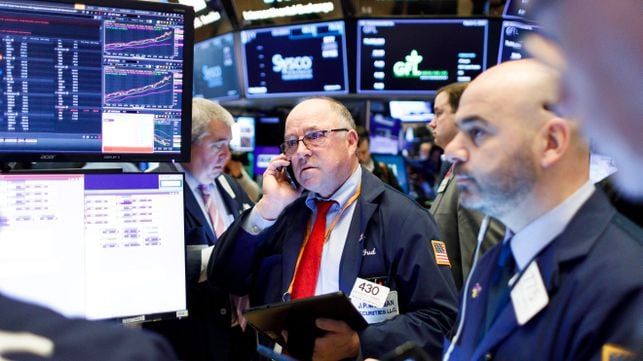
[(312, 139)]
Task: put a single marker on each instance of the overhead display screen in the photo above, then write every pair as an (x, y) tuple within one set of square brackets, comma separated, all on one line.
[(392, 60), (215, 69), (511, 39), (295, 60)]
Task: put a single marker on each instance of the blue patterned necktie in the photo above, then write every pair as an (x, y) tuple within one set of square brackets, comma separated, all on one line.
[(499, 289)]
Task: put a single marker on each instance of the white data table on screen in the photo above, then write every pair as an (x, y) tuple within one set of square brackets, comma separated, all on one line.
[(42, 229), (127, 233), (98, 254)]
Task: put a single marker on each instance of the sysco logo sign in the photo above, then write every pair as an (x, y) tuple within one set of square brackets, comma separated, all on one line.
[(291, 63), (293, 67)]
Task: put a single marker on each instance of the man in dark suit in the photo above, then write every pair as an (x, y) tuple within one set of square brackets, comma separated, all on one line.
[(567, 277), (379, 169), (212, 330), (31, 332), (459, 226), (371, 233)]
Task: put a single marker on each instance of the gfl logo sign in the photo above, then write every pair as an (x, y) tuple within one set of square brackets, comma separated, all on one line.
[(291, 63)]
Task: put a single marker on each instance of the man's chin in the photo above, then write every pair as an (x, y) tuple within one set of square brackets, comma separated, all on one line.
[(470, 201)]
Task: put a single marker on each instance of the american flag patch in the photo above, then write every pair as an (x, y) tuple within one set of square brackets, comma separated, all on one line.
[(440, 253)]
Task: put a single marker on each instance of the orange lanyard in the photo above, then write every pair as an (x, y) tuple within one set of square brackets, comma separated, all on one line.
[(352, 200)]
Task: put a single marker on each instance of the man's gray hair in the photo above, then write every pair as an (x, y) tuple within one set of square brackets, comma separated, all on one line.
[(205, 111)]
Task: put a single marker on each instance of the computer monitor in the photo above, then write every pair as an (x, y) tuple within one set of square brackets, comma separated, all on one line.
[(418, 56), (99, 246), (243, 134), (512, 35), (215, 69), (384, 134), (263, 154), (295, 60), (95, 80), (397, 165), (269, 130), (411, 111)]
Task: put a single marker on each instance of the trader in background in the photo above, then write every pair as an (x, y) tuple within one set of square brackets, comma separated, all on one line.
[(379, 169), (459, 226), (568, 273), (347, 227), (213, 329)]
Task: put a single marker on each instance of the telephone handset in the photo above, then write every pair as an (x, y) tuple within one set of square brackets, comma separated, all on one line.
[(290, 174)]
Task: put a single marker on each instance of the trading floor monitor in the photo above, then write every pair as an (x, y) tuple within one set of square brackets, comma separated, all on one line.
[(95, 81), (99, 246)]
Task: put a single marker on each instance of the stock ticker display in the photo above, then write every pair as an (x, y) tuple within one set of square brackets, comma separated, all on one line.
[(79, 77), (391, 59)]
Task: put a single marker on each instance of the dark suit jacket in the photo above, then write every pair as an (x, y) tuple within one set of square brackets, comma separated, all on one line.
[(460, 227), (592, 273), (205, 333), (77, 339), (393, 229)]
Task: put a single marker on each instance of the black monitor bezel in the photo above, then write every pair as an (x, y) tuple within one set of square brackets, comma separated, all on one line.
[(186, 108)]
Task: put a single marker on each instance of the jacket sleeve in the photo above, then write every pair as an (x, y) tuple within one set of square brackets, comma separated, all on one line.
[(234, 259), (75, 339)]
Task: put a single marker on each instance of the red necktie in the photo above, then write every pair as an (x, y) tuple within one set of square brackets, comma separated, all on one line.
[(213, 211), (308, 269)]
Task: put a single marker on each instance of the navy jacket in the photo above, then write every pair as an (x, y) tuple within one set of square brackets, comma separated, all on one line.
[(205, 333), (386, 223), (76, 339), (592, 273)]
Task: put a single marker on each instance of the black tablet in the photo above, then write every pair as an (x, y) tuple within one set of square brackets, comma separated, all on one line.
[(298, 319)]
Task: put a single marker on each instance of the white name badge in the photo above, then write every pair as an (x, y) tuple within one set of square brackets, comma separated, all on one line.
[(443, 185), (374, 314), (529, 296), (370, 292)]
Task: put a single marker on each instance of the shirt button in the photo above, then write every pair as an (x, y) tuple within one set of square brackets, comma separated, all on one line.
[(488, 356), (223, 311)]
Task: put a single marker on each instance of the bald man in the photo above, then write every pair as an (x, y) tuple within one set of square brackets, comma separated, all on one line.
[(566, 283)]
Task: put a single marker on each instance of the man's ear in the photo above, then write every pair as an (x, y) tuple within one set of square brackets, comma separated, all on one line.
[(556, 136), (352, 138)]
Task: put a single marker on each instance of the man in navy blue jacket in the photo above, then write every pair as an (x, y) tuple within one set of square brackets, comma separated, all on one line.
[(373, 233), (566, 284)]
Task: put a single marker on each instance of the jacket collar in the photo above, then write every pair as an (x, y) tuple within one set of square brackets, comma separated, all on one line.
[(575, 242)]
